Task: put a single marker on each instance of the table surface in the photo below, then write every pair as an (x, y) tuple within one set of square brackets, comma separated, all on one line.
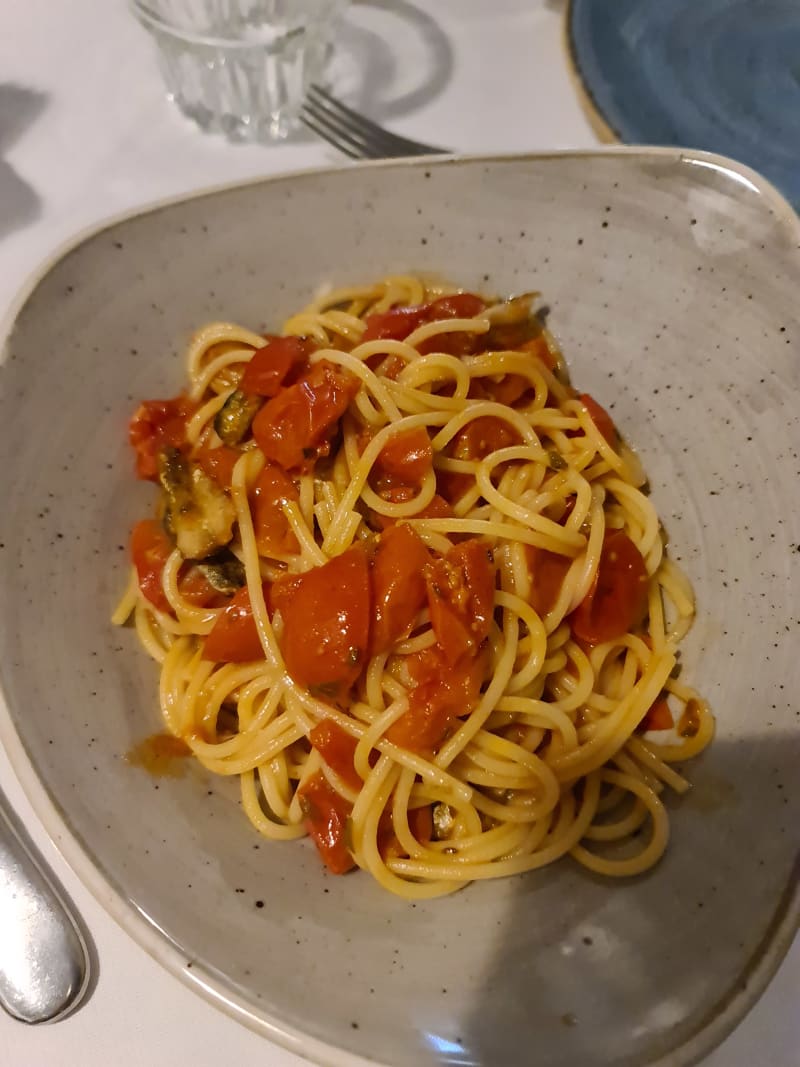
[(85, 132)]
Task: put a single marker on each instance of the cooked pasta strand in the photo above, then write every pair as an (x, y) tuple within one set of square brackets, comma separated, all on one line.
[(412, 594)]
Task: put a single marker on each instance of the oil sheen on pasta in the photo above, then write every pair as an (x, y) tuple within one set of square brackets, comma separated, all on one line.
[(403, 581)]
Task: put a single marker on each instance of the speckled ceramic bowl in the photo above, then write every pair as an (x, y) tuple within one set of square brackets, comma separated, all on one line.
[(672, 281)]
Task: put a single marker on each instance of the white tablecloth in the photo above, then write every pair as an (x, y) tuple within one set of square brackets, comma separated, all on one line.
[(85, 132)]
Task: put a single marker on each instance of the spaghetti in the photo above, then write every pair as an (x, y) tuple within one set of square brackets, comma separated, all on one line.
[(406, 585)]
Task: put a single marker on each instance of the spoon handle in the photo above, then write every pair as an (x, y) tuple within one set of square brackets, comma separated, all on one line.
[(44, 964)]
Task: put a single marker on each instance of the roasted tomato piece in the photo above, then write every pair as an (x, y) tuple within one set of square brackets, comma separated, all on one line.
[(483, 436), (452, 485), (234, 637), (326, 814), (395, 324), (398, 323), (658, 717), (270, 366), (398, 582), (548, 571), (508, 390), (444, 691), (406, 458), (438, 508), (274, 535), (151, 547), (617, 599), (461, 342), (338, 749), (218, 463), (457, 306), (420, 823), (294, 426), (601, 418), (196, 587), (460, 590), (158, 424), (326, 623)]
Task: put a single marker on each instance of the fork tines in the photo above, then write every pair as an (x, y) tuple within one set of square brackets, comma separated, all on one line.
[(355, 134)]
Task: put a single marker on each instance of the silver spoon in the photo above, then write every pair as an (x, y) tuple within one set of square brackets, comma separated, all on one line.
[(44, 961)]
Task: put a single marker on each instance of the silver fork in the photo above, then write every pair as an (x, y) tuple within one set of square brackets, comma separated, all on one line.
[(354, 134)]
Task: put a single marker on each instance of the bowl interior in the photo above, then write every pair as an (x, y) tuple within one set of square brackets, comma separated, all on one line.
[(671, 285)]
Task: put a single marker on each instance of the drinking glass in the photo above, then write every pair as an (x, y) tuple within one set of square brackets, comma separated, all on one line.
[(240, 67)]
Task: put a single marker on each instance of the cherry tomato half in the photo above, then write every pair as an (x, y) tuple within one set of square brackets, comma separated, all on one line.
[(326, 622), (151, 547), (158, 424), (269, 366), (292, 427), (326, 814), (338, 749), (460, 590), (398, 581), (234, 637), (617, 599)]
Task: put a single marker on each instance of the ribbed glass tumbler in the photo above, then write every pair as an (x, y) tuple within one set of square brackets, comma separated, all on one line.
[(240, 67)]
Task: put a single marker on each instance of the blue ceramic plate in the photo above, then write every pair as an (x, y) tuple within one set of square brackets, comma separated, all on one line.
[(723, 75)]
